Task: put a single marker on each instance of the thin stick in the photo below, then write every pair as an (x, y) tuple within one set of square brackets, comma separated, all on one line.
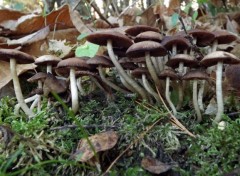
[(99, 13)]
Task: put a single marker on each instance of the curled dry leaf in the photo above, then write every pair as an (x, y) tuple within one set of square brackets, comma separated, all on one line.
[(101, 142), (154, 166), (5, 74), (52, 84), (36, 36)]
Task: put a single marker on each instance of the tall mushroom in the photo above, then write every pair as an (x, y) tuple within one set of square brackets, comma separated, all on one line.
[(114, 38), (148, 49), (74, 64), (14, 56), (219, 58)]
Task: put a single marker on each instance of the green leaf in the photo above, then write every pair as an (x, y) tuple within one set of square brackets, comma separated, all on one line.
[(195, 15), (187, 8), (88, 49), (174, 19)]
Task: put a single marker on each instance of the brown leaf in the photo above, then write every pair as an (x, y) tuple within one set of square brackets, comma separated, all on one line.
[(7, 14), (58, 19), (78, 23), (36, 36), (232, 26), (52, 84), (59, 48), (101, 142), (5, 74), (148, 17), (154, 166)]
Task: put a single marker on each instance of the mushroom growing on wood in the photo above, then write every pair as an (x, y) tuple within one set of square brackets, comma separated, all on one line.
[(219, 58), (116, 39), (17, 57)]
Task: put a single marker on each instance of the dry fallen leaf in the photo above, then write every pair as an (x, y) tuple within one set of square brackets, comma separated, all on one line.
[(36, 36), (59, 48), (154, 166), (101, 142), (5, 74)]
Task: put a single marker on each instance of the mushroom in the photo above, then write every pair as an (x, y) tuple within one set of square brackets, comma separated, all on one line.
[(147, 49), (219, 57), (113, 38), (14, 56), (142, 73), (196, 75), (47, 60), (180, 61), (137, 29), (168, 74), (74, 64)]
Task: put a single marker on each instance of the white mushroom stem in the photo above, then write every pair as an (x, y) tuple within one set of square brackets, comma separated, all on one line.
[(155, 64), (219, 92), (161, 64), (121, 71), (195, 101), (152, 71), (128, 86), (174, 50), (74, 91), (49, 68), (149, 89), (167, 94), (80, 87), (180, 85), (40, 85), (109, 83), (200, 95), (35, 102), (17, 89), (214, 46), (27, 100)]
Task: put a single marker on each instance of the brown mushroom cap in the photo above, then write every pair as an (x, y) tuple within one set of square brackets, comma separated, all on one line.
[(224, 37), (138, 72), (139, 49), (148, 35), (117, 38), (100, 60), (188, 61), (38, 76), (129, 65), (181, 42), (20, 57), (75, 62), (195, 74), (137, 29), (204, 38), (81, 73), (219, 56), (168, 72), (47, 59)]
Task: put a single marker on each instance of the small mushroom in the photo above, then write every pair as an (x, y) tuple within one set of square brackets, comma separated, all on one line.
[(47, 60)]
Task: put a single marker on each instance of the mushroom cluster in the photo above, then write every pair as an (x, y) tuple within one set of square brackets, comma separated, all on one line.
[(146, 62)]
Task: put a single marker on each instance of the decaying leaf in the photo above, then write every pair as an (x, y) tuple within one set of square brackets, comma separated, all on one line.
[(5, 74), (52, 84), (211, 108), (154, 166), (59, 48), (101, 142), (36, 36)]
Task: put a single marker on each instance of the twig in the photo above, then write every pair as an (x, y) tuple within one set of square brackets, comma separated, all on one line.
[(190, 38), (75, 126), (99, 13)]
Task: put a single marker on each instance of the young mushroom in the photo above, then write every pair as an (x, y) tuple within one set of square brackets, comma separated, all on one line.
[(17, 57), (219, 58), (47, 60), (168, 74), (196, 75)]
